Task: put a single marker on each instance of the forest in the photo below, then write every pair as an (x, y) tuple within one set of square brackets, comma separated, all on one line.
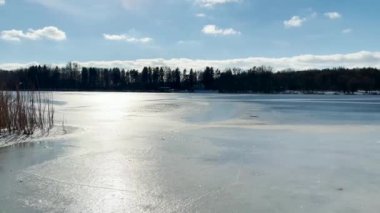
[(261, 79)]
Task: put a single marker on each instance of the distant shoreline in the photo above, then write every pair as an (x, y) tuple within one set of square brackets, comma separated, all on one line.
[(260, 80), (338, 93)]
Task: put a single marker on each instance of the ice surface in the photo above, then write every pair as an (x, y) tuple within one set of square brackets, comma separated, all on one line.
[(137, 152)]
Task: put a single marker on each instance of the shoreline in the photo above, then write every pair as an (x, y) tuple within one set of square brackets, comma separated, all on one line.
[(288, 92)]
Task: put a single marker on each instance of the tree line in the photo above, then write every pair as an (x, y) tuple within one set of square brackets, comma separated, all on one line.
[(257, 79)]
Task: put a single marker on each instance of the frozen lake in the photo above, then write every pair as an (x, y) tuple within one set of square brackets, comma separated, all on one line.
[(137, 152)]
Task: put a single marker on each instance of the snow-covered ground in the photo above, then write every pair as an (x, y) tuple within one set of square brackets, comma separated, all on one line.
[(137, 152)]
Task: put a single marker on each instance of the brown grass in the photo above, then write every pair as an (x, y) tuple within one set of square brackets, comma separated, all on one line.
[(25, 112)]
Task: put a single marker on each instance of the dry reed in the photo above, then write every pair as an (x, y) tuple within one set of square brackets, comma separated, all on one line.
[(25, 112)]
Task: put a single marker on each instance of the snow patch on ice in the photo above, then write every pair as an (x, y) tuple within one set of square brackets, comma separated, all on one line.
[(54, 133)]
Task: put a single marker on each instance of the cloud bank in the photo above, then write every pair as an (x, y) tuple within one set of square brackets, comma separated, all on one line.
[(2, 2), (46, 33), (301, 62)]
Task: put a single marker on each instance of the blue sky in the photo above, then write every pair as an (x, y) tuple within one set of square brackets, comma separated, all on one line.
[(99, 31)]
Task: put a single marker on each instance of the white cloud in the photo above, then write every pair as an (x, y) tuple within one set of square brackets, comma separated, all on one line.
[(127, 38), (295, 21), (2, 2), (13, 66), (48, 33), (347, 31), (301, 62), (214, 30), (333, 15), (212, 3), (200, 15)]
